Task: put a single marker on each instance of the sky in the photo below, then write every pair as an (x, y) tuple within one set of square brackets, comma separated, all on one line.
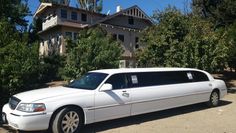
[(148, 6)]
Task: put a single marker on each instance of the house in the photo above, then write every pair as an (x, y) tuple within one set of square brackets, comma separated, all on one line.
[(62, 21)]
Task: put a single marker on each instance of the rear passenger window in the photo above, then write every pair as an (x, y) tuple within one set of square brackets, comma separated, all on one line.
[(174, 77), (118, 81), (199, 76), (160, 78)]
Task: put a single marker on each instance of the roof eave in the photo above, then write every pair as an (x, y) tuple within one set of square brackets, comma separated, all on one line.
[(41, 7)]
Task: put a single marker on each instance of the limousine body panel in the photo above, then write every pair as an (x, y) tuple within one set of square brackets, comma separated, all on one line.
[(221, 86), (112, 104), (150, 99)]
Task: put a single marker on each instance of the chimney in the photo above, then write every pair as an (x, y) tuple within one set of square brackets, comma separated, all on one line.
[(118, 8)]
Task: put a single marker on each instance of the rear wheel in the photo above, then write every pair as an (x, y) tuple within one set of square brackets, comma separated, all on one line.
[(214, 99), (68, 120)]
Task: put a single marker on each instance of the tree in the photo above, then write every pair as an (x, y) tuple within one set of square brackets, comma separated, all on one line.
[(179, 40), (19, 62), (94, 49), (221, 12), (164, 40), (15, 11), (91, 5), (205, 48), (232, 42), (33, 30)]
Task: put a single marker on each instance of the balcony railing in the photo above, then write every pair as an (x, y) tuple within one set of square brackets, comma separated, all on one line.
[(55, 20)]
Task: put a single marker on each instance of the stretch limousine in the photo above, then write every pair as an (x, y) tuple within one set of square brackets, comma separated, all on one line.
[(109, 94)]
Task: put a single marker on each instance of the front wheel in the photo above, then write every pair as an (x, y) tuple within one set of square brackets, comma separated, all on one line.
[(68, 120), (214, 99)]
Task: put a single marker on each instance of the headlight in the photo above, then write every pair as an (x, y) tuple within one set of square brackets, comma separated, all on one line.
[(31, 107)]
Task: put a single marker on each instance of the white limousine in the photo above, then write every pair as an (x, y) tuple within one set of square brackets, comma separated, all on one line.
[(109, 94)]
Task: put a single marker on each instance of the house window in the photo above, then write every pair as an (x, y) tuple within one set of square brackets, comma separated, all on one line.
[(83, 17), (74, 15), (136, 39), (131, 20), (75, 36), (49, 39), (68, 35), (136, 42), (64, 13), (114, 36), (58, 37), (121, 38), (54, 14)]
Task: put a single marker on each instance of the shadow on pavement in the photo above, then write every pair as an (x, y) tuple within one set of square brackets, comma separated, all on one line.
[(136, 120)]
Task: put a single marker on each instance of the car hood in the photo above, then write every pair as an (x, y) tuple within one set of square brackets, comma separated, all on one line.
[(40, 94)]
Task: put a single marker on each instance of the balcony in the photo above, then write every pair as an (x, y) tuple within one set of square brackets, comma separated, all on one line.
[(50, 21), (55, 20)]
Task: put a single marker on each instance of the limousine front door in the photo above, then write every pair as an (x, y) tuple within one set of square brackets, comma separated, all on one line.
[(114, 103)]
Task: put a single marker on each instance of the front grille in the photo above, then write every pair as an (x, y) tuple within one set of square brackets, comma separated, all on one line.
[(13, 102)]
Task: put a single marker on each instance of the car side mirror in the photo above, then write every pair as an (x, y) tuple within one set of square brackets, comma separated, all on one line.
[(106, 87)]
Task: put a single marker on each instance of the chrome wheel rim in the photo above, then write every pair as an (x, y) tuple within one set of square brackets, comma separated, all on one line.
[(214, 98), (70, 122)]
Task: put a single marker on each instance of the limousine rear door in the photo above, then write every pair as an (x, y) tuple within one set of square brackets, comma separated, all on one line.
[(114, 103), (201, 86)]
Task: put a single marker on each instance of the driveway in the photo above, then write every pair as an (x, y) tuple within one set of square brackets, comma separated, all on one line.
[(189, 119)]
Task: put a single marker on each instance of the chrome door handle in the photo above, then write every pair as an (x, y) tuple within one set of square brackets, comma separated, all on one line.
[(125, 94)]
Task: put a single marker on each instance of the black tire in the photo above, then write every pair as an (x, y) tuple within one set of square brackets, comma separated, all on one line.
[(67, 120), (214, 99)]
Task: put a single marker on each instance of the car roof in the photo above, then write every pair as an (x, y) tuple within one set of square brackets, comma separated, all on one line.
[(130, 70)]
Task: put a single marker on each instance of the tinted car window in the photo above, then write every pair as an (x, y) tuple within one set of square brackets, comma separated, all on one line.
[(118, 81), (199, 76), (159, 78)]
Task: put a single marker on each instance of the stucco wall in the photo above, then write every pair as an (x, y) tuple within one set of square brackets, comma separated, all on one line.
[(129, 38)]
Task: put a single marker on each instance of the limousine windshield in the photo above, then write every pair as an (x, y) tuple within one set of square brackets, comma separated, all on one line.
[(89, 81)]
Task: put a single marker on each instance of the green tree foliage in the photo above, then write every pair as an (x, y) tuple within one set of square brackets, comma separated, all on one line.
[(232, 42), (50, 66), (14, 11), (18, 62), (179, 40), (94, 49), (164, 40), (222, 12), (33, 30), (204, 47)]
